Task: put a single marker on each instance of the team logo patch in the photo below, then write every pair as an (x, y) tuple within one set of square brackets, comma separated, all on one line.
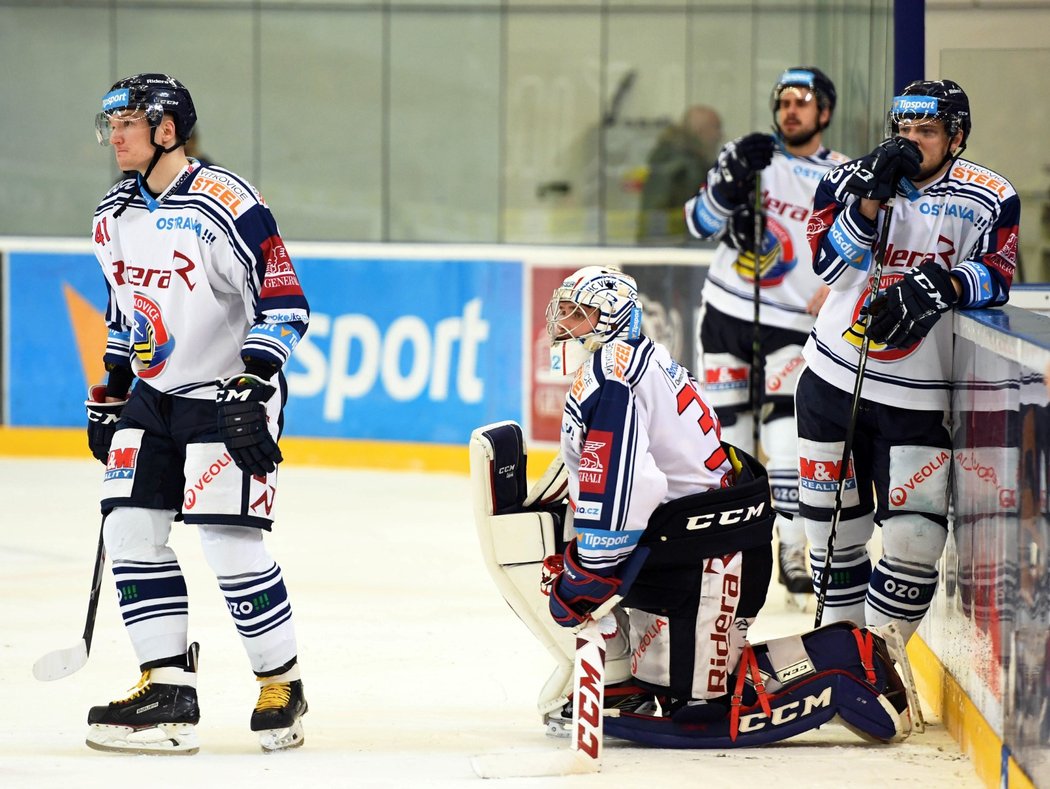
[(280, 278), (150, 341), (775, 261), (594, 461)]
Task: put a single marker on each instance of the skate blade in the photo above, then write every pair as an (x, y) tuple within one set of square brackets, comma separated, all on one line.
[(271, 740), (170, 739)]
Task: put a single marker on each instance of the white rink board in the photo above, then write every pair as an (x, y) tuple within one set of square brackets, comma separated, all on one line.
[(411, 661)]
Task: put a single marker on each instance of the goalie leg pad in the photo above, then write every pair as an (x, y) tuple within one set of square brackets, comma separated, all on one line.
[(514, 543), (835, 671)]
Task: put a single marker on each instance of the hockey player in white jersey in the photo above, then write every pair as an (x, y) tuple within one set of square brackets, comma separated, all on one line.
[(790, 165), (663, 514), (204, 310), (951, 242)]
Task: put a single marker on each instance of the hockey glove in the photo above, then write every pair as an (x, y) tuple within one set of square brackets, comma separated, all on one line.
[(906, 312), (740, 229), (102, 421), (242, 423), (875, 176), (738, 161)]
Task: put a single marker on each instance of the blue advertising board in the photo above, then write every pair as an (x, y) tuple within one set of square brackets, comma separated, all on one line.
[(407, 350), (400, 350), (51, 299)]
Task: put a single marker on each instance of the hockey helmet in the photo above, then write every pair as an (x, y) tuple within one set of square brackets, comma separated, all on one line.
[(154, 94), (929, 100), (604, 297), (808, 77)]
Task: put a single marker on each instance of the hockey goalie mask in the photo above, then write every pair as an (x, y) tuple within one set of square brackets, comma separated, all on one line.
[(590, 308)]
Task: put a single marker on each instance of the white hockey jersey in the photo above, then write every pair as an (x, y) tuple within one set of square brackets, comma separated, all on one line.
[(786, 281), (198, 278), (967, 221), (636, 433)]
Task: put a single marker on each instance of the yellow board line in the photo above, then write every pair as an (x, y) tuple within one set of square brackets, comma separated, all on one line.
[(337, 452), (976, 738)]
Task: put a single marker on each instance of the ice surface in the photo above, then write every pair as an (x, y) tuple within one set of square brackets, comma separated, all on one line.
[(412, 663)]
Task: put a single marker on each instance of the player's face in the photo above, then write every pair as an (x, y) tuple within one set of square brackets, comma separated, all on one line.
[(129, 134), (933, 142), (798, 114), (573, 320)]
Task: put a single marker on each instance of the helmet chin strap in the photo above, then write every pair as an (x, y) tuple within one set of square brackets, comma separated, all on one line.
[(158, 151), (949, 157)]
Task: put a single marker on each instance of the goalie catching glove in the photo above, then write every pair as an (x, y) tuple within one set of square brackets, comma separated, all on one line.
[(102, 421), (738, 161), (875, 176), (243, 426), (906, 312)]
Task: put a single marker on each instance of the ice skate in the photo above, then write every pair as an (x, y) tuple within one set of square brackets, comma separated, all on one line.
[(794, 575), (278, 713), (620, 697), (158, 717)]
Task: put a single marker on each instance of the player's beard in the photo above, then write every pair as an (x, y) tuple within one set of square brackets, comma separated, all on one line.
[(801, 136)]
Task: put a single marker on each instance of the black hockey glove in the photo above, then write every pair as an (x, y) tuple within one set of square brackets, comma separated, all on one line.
[(242, 423), (875, 176), (738, 161), (906, 312), (102, 421), (740, 229)]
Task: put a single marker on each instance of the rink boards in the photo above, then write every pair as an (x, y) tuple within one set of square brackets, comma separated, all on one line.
[(411, 347)]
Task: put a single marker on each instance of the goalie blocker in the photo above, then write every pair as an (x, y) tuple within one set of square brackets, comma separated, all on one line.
[(780, 689)]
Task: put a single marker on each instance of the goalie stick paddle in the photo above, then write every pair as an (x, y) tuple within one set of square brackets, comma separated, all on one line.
[(851, 426), (63, 662), (588, 701)]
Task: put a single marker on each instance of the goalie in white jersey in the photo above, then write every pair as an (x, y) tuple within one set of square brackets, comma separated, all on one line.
[(952, 242), (790, 165), (667, 536), (204, 310), (644, 456)]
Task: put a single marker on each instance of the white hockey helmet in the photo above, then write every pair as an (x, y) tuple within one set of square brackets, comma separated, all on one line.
[(601, 304)]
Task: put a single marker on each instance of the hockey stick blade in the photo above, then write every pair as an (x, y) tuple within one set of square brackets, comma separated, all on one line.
[(539, 764), (61, 662)]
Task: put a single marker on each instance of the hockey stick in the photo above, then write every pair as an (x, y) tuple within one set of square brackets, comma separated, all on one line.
[(757, 383), (851, 426), (63, 662), (588, 701)]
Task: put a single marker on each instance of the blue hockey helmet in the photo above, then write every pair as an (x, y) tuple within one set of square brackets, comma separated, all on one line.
[(928, 100), (154, 94), (806, 77)]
